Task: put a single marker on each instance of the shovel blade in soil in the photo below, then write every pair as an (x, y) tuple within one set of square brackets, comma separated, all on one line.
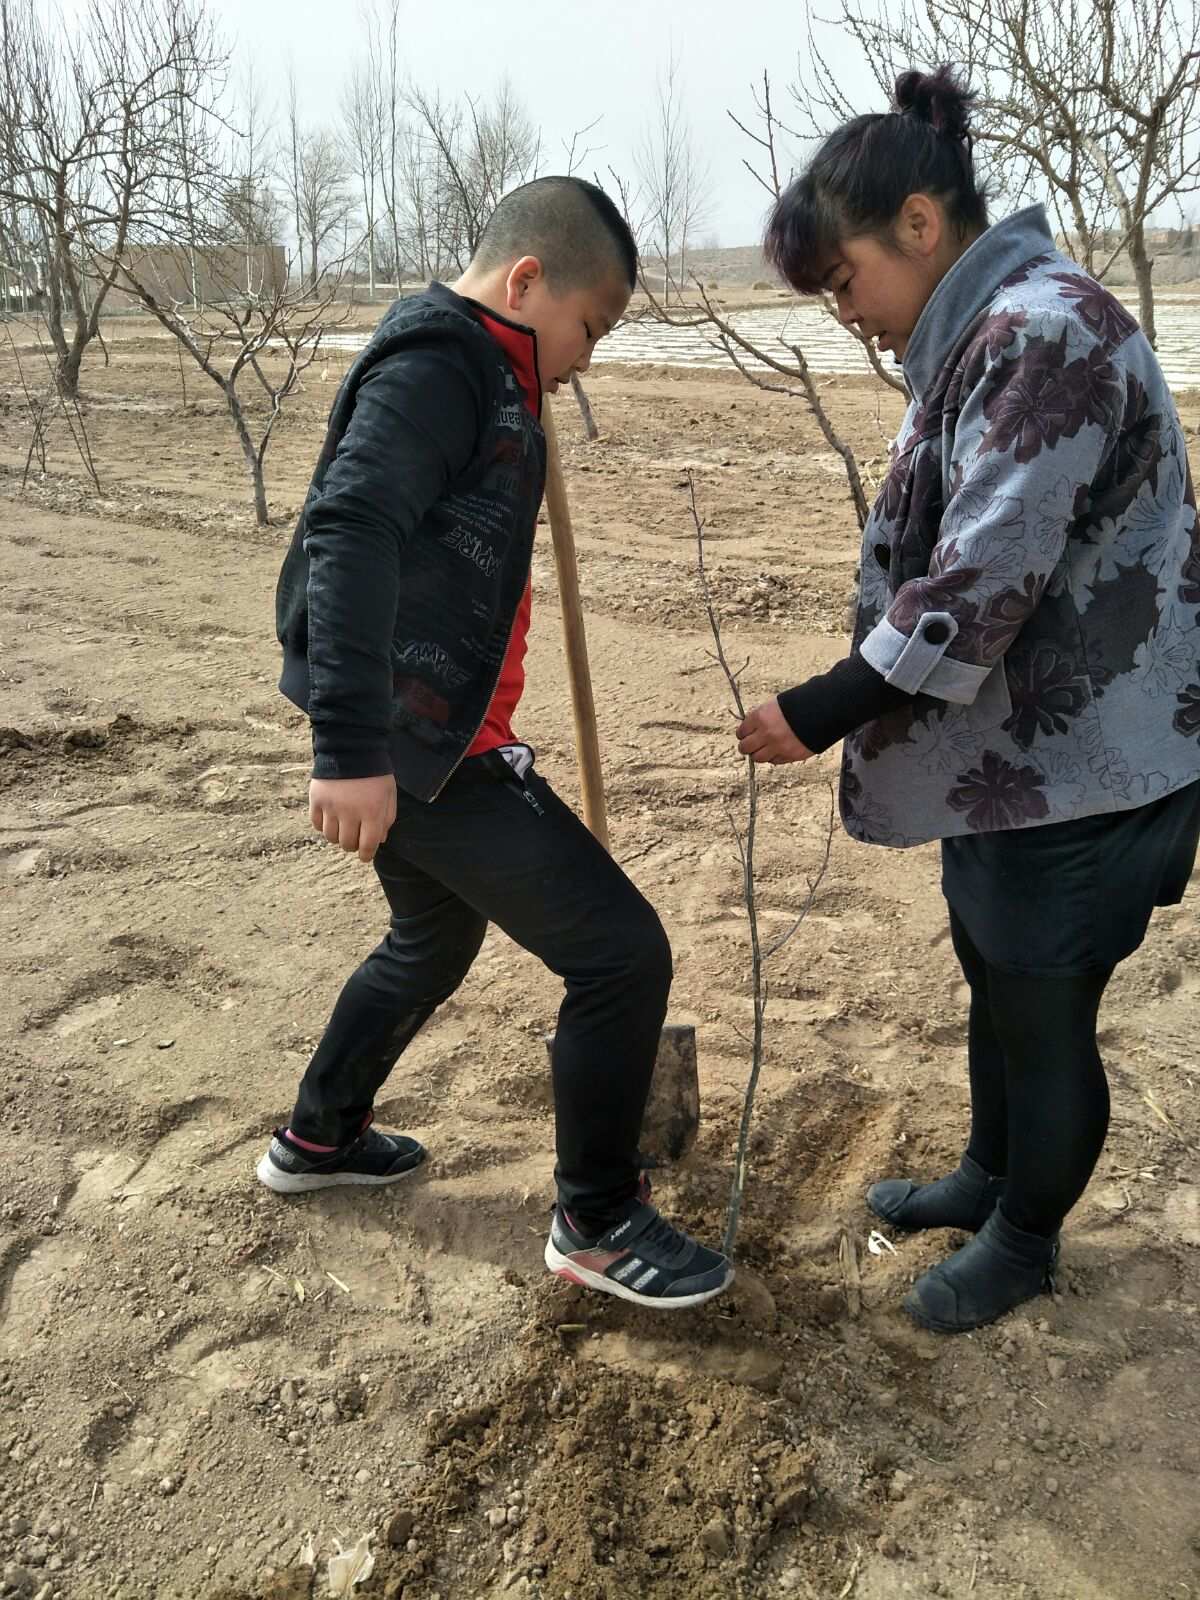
[(672, 1115)]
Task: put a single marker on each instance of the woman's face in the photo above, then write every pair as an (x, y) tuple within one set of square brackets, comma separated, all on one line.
[(881, 287)]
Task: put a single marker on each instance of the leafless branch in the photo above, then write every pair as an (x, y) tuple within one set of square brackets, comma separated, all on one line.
[(577, 156), (238, 329), (814, 883), (706, 314), (1092, 103), (744, 843), (41, 407), (461, 158), (891, 379), (585, 409)]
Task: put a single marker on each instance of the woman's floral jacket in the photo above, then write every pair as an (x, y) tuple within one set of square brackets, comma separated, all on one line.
[(1031, 569)]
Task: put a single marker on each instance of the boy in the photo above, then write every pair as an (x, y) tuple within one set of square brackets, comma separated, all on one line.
[(403, 608)]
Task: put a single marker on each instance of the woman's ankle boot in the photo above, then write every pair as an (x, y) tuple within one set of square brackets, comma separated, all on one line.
[(998, 1269), (965, 1199)]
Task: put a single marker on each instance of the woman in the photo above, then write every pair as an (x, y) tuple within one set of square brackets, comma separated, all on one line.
[(1023, 683)]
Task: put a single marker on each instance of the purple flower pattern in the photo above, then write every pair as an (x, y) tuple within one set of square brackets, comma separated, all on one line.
[(1187, 718), (1024, 273), (1047, 693), (1099, 310), (1136, 458), (1039, 495), (1003, 617), (1046, 398), (997, 794)]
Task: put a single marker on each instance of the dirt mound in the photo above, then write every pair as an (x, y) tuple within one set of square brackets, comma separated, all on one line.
[(196, 1375)]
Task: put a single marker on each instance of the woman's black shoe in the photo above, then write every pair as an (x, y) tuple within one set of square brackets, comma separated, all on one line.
[(964, 1199), (997, 1270)]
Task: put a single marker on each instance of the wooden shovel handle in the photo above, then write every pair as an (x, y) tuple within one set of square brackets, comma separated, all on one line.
[(587, 742)]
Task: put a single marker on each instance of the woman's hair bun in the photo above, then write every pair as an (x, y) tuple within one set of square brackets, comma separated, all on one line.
[(938, 98)]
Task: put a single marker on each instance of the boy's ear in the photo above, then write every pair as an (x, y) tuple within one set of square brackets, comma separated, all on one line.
[(522, 276)]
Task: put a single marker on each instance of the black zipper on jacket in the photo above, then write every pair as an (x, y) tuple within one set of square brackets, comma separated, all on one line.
[(518, 327)]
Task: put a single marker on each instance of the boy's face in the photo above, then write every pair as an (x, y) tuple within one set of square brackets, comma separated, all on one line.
[(568, 325)]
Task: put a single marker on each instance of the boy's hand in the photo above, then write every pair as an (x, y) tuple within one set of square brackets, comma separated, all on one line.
[(766, 736), (353, 812)]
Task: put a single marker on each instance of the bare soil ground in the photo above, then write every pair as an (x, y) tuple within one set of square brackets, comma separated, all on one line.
[(195, 1374)]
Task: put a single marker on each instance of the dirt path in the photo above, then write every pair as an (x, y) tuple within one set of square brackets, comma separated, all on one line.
[(195, 1374)]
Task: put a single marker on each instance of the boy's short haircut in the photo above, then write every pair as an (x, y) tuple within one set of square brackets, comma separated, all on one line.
[(570, 225)]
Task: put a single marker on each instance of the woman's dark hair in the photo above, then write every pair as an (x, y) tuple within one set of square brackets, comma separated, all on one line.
[(863, 173)]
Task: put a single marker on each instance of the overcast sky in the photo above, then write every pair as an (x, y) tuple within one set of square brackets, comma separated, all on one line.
[(570, 63)]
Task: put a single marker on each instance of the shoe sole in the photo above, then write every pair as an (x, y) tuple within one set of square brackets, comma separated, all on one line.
[(305, 1182), (563, 1267)]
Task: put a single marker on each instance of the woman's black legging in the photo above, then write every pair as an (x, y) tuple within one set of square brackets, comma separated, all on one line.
[(1039, 1096)]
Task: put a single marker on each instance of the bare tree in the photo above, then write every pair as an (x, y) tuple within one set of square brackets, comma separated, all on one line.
[(397, 131), (463, 156), (108, 138), (365, 136), (268, 334), (325, 203), (373, 115), (250, 205), (1093, 104), (675, 180), (290, 155), (660, 161), (416, 218)]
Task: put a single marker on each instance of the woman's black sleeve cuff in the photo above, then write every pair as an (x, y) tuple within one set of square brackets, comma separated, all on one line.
[(825, 709)]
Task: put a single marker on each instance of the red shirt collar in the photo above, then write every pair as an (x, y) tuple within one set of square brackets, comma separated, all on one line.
[(520, 346)]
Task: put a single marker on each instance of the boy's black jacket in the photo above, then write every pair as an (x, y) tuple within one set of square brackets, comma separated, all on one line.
[(397, 597)]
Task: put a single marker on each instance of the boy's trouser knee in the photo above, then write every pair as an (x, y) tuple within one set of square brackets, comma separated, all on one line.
[(644, 955)]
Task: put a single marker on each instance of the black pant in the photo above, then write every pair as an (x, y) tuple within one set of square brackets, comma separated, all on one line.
[(1039, 1096), (482, 853)]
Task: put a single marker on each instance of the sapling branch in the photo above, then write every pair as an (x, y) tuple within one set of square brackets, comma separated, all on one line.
[(744, 841)]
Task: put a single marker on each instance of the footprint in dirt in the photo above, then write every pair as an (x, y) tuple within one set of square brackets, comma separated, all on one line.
[(198, 1134), (198, 1371), (31, 1274), (681, 1364), (243, 786)]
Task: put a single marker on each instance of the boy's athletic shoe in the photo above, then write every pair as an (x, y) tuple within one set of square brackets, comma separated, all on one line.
[(372, 1158), (642, 1258)]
